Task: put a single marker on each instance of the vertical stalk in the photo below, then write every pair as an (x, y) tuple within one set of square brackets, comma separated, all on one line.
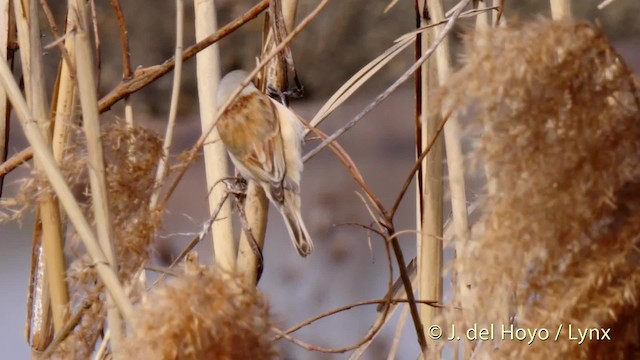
[(64, 107), (215, 157), (173, 109), (455, 158), (430, 241), (4, 119), (256, 207), (52, 238), (97, 177), (560, 9)]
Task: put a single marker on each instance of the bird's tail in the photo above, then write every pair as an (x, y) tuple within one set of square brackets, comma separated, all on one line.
[(292, 218)]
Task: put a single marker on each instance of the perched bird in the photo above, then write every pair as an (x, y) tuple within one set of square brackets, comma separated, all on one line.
[(263, 139)]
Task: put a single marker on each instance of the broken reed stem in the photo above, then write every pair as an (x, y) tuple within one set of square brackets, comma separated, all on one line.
[(52, 238), (62, 111), (39, 326), (54, 175), (256, 207), (63, 108), (215, 155), (96, 166), (430, 225), (173, 108)]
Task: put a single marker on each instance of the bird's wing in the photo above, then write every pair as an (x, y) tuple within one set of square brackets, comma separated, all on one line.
[(251, 132)]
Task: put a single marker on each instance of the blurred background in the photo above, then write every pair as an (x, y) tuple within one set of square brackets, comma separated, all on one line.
[(349, 265)]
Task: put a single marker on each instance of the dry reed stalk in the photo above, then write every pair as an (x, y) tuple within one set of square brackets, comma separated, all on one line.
[(173, 108), (62, 107), (430, 222), (63, 102), (4, 109), (483, 20), (560, 9), (455, 163), (203, 314), (215, 156), (256, 207), (65, 95), (559, 239), (26, 15), (96, 166)]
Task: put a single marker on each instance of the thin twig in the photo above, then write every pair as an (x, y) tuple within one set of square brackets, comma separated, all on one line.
[(15, 161), (375, 327), (406, 280), (73, 321), (285, 334), (396, 337), (173, 108), (349, 164), (196, 240), (124, 40)]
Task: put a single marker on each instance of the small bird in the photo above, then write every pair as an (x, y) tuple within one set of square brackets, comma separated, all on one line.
[(263, 139)]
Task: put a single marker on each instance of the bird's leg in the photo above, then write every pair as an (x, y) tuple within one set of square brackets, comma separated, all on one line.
[(277, 94), (283, 96), (236, 185)]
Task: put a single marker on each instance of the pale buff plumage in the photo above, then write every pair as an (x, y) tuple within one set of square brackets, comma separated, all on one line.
[(263, 139)]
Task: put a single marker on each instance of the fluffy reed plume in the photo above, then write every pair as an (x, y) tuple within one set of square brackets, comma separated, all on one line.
[(558, 242), (131, 155), (202, 315)]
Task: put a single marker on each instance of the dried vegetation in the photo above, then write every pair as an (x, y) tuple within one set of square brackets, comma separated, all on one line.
[(558, 242), (558, 116)]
